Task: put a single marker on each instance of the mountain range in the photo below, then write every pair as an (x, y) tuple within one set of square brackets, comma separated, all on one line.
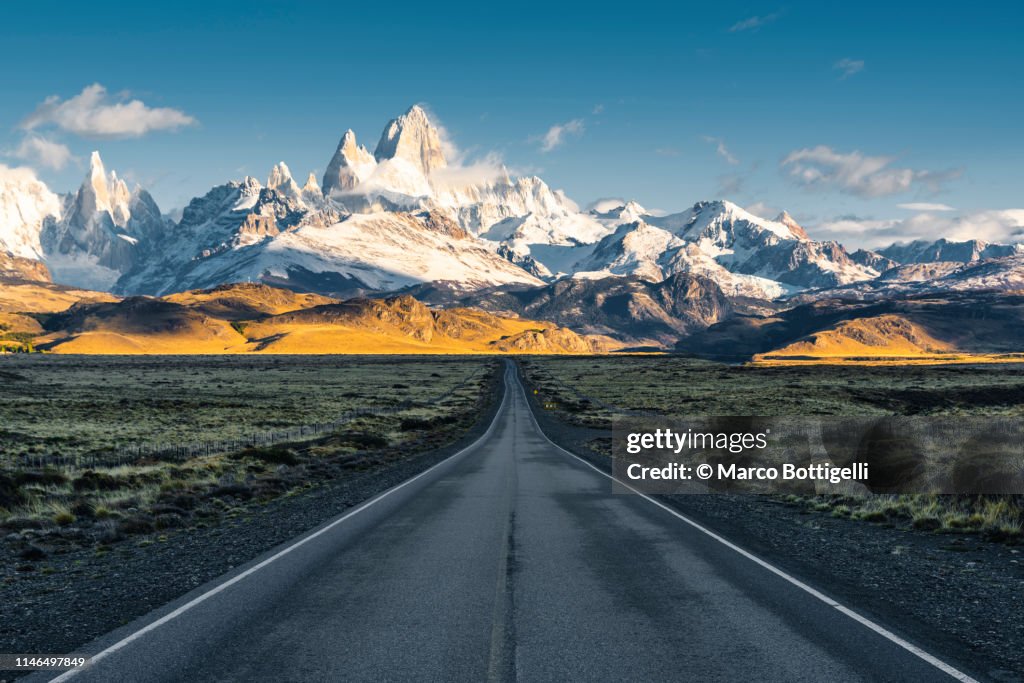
[(404, 220)]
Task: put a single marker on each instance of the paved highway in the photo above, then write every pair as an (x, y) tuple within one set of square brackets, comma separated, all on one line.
[(512, 560)]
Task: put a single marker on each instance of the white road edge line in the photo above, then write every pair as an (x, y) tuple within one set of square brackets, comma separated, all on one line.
[(255, 568), (880, 630)]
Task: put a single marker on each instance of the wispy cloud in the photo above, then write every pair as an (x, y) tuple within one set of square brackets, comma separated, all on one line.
[(996, 225), (764, 210), (667, 152), (753, 23), (854, 173), (926, 206), (93, 113), (44, 152), (721, 149), (730, 185), (848, 67), (598, 109), (559, 133)]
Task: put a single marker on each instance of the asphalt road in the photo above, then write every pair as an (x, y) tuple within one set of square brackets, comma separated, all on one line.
[(511, 560)]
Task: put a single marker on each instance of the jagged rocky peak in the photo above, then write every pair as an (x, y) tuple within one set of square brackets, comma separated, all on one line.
[(104, 233), (280, 179), (351, 165), (311, 184), (414, 138), (793, 226), (104, 196), (95, 186), (312, 195)]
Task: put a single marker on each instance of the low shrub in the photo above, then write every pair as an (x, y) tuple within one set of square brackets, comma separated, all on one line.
[(64, 517), (272, 454), (136, 524), (90, 480), (46, 477)]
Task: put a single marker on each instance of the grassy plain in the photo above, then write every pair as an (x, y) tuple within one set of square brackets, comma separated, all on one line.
[(81, 405), (51, 404)]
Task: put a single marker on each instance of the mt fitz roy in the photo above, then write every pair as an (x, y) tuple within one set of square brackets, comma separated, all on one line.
[(401, 218)]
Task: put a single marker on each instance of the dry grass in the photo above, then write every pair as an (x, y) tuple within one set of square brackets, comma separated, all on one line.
[(79, 406), (107, 504), (996, 517)]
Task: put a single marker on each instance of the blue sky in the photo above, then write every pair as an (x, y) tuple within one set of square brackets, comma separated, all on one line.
[(830, 110)]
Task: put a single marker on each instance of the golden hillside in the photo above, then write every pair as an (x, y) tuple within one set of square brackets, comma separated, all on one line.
[(43, 297), (249, 318), (404, 325), (880, 336), (245, 301)]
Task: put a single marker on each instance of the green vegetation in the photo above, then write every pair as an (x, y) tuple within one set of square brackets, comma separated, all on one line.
[(78, 404), (593, 388)]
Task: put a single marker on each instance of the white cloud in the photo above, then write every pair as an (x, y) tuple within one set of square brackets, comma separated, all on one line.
[(753, 23), (92, 113), (822, 167), (598, 109), (1006, 225), (45, 153), (848, 67), (557, 134), (605, 204), (858, 231), (667, 152), (996, 225), (488, 169), (766, 211), (722, 150), (17, 174), (925, 206)]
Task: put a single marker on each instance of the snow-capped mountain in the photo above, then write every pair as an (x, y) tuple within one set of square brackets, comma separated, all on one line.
[(101, 231), (923, 251), (381, 221), (1005, 274), (242, 231), (25, 202), (745, 254), (406, 215)]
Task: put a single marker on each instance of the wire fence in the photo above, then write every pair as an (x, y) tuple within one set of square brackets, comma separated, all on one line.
[(543, 376), (180, 452)]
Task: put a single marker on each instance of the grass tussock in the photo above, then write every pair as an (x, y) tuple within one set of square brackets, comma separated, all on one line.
[(995, 517)]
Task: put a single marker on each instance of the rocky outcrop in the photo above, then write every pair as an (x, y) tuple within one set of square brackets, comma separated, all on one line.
[(873, 260), (632, 310), (795, 228), (17, 268), (554, 340), (415, 139), (349, 167)]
